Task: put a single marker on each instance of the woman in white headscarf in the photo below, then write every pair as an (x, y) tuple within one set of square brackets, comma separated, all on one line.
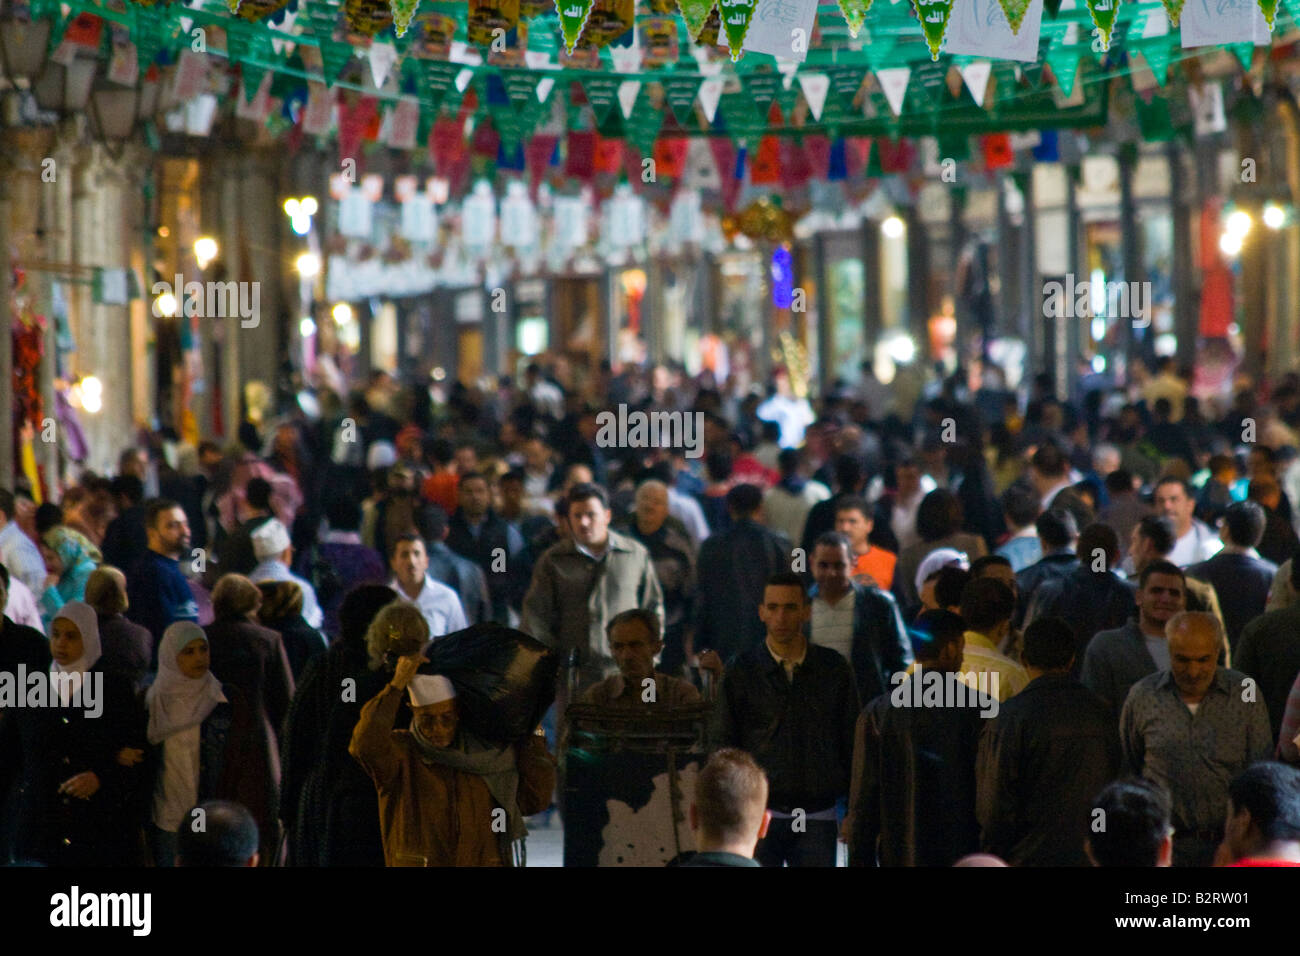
[(189, 724), (81, 748)]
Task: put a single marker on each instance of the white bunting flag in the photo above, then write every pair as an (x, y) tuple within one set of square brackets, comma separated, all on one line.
[(976, 76), (893, 83), (815, 86)]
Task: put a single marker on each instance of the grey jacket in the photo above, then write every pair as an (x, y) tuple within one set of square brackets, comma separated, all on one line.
[(572, 597), (1113, 662)]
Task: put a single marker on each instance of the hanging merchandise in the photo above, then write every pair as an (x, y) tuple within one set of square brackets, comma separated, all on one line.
[(736, 16), (573, 20), (933, 15)]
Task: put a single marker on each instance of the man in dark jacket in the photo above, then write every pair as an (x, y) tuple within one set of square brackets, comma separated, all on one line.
[(734, 567), (861, 622), (1041, 760), (791, 704), (157, 590), (480, 534), (125, 539), (674, 561), (25, 647), (235, 550), (1241, 578), (1058, 532), (1269, 651), (913, 799), (447, 567), (1091, 597)]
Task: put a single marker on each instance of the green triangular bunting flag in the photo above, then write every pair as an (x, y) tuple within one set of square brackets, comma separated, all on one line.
[(1103, 15), (933, 15), (762, 89), (573, 18), (680, 91), (1015, 11), (403, 14), (1157, 57), (521, 87), (1245, 53), (1174, 8), (855, 14), (1269, 9), (736, 15), (333, 58), (643, 127), (602, 93), (695, 12), (1064, 61)]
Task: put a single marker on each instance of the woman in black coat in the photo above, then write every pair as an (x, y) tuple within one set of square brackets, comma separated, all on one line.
[(281, 610), (318, 770), (80, 796)]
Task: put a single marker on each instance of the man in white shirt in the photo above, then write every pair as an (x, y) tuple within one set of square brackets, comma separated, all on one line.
[(1049, 471), (20, 605), (18, 552), (793, 414), (1195, 541), (274, 552), (438, 603)]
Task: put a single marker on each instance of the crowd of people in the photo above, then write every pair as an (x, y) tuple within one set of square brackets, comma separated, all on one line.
[(1113, 578)]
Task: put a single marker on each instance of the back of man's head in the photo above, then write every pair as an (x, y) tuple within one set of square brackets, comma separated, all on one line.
[(1270, 793), (744, 500), (1021, 505), (932, 631), (987, 603), (1048, 645), (1158, 530), (730, 800), (1050, 462), (1057, 529), (224, 833), (949, 583), (258, 494), (1245, 522), (1099, 540), (1133, 824), (129, 487)]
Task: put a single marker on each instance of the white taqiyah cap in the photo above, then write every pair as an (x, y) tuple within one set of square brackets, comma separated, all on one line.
[(270, 539), (426, 689)]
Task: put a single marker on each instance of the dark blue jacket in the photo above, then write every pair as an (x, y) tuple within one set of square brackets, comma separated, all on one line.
[(159, 596)]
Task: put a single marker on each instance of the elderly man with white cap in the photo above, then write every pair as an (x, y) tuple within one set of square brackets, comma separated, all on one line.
[(447, 798), (274, 552)]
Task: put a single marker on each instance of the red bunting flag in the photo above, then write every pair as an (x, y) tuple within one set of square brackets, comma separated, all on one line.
[(998, 153)]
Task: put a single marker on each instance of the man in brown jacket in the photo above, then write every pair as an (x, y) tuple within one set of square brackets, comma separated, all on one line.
[(445, 798)]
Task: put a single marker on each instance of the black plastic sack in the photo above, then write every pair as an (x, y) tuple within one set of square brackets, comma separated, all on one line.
[(505, 680)]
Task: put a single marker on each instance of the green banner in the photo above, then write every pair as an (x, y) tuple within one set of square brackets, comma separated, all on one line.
[(573, 18), (403, 14), (602, 93), (1015, 11), (1103, 15), (695, 13), (762, 89), (855, 14)]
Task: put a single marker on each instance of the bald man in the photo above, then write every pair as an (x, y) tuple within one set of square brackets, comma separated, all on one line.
[(674, 560), (1192, 728)]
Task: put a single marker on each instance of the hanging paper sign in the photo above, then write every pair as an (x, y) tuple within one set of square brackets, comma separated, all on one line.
[(855, 14), (260, 105), (976, 77), (1064, 61), (403, 14), (736, 16), (405, 121), (648, 119), (602, 93), (573, 19), (190, 77), (1103, 15), (1232, 21), (436, 33), (319, 115), (439, 78), (701, 171), (782, 28), (1157, 57), (521, 87), (122, 67), (980, 28), (1207, 109), (486, 16), (608, 20), (419, 219), (658, 40), (680, 91), (355, 220), (368, 17)]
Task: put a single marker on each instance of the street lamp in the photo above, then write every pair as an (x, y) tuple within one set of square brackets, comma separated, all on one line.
[(205, 250), (893, 228), (1274, 216), (300, 212), (308, 265), (23, 46)]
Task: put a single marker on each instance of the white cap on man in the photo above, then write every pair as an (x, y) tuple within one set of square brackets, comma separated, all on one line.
[(270, 540), (426, 689)]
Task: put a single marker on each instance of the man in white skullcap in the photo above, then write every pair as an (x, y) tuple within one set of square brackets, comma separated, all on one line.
[(447, 798), (274, 552)]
